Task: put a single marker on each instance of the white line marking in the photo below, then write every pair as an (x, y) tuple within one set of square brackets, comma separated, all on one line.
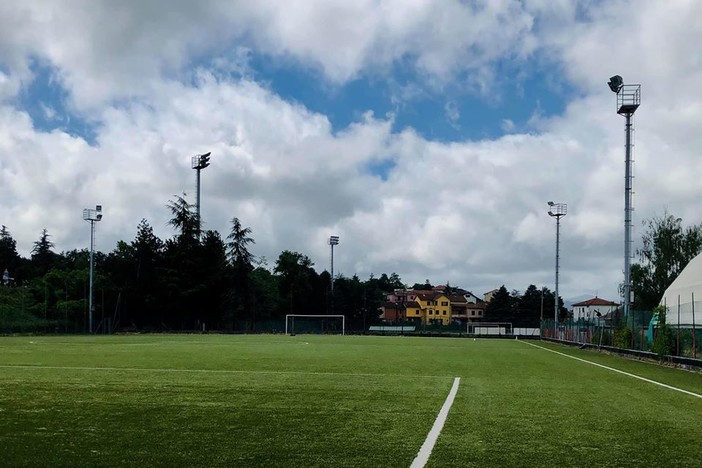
[(214, 371), (423, 456), (620, 371)]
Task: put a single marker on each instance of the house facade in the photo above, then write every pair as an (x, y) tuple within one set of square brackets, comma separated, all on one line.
[(589, 309)]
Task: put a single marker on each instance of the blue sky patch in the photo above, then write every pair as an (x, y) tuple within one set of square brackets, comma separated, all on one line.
[(46, 102)]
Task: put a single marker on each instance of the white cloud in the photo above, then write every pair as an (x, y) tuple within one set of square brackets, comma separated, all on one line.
[(469, 212)]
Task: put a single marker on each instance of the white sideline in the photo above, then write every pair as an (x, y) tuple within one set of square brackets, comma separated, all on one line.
[(670, 387), (423, 456)]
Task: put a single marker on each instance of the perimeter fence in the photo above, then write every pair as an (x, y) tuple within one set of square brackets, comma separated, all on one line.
[(637, 332)]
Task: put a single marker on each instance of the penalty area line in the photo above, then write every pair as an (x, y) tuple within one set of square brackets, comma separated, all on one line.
[(654, 382), (425, 451)]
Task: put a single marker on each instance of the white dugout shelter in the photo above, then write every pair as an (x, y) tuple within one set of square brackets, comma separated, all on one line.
[(685, 291)]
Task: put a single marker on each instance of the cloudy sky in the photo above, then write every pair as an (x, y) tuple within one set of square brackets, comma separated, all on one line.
[(428, 135)]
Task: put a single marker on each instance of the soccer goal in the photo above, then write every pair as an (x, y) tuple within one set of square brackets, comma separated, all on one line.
[(328, 324), (489, 328)]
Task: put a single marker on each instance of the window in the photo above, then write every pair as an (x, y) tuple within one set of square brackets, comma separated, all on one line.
[(472, 312), (417, 313), (444, 303), (431, 312), (444, 312)]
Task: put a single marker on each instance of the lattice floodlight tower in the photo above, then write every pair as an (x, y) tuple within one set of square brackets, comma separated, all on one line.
[(628, 100), (199, 162), (557, 210), (333, 240), (92, 216)]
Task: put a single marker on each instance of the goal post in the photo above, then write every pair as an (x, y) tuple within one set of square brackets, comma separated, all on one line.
[(290, 321), (489, 328)]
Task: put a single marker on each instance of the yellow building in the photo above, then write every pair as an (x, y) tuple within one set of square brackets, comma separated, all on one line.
[(435, 308)]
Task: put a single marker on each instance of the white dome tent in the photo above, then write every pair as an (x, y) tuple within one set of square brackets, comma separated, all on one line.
[(686, 288)]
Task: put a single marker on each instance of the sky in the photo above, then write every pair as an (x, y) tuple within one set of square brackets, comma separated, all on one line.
[(429, 136)]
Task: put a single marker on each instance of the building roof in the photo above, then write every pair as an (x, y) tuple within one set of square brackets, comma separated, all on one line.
[(458, 298), (595, 301), (429, 295)]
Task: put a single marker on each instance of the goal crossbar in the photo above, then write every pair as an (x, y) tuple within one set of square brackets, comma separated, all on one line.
[(288, 316)]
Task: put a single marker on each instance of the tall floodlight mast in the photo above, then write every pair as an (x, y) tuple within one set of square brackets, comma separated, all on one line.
[(557, 210), (92, 216), (333, 240), (628, 100), (198, 163)]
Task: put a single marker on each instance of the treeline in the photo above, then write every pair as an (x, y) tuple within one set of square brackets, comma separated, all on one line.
[(196, 278), (525, 309)]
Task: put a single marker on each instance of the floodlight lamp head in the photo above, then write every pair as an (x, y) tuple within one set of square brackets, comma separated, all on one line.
[(557, 209), (205, 160), (333, 240), (98, 208), (615, 83), (98, 217)]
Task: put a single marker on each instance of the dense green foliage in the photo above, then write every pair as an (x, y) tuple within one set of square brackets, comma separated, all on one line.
[(523, 310), (664, 341), (667, 249), (267, 400), (194, 280)]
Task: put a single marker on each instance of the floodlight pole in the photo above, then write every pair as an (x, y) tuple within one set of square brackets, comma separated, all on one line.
[(198, 163), (557, 210), (628, 100), (333, 240), (92, 216)]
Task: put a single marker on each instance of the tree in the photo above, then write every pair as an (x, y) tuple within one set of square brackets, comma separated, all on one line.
[(238, 247), (297, 281), (9, 258), (184, 219), (43, 257), (529, 307), (499, 309), (667, 249)]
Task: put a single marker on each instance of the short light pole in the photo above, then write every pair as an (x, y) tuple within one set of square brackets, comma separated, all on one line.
[(557, 210), (628, 100), (198, 163), (92, 216)]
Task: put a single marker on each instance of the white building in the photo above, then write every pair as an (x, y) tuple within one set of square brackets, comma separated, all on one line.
[(588, 309)]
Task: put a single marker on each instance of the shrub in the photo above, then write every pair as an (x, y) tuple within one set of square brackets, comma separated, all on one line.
[(622, 338)]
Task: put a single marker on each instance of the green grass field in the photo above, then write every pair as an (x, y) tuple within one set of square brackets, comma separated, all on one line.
[(218, 400)]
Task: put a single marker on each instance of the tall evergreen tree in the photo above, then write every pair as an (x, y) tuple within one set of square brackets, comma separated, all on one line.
[(43, 257), (184, 219), (241, 296)]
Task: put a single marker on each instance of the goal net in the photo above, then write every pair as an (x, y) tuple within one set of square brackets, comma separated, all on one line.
[(489, 328), (321, 324)]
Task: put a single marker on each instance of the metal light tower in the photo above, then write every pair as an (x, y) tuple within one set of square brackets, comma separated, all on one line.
[(628, 100), (333, 240), (557, 210), (92, 216), (199, 162)]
